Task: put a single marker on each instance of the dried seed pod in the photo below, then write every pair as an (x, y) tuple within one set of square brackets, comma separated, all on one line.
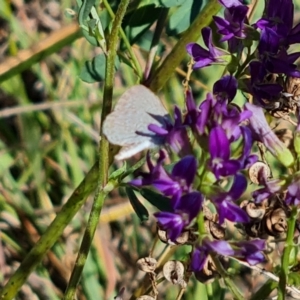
[(207, 213), (276, 222), (183, 238), (162, 235), (215, 229), (145, 297), (193, 236), (259, 171), (292, 86), (186, 237), (147, 264), (255, 211), (208, 273), (285, 103), (173, 271), (254, 230)]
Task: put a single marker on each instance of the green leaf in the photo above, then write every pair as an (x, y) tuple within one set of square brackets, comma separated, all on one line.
[(265, 290), (138, 207), (170, 3), (85, 10), (85, 7), (294, 278), (118, 173), (183, 17), (91, 23), (138, 23), (94, 70), (161, 202)]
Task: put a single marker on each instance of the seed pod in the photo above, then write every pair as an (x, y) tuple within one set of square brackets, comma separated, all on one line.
[(208, 273), (215, 229), (207, 213), (186, 237), (258, 172), (145, 297), (276, 222), (255, 211), (173, 271), (292, 86), (147, 264), (254, 230)]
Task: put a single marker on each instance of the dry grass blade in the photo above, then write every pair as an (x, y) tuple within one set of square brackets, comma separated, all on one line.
[(26, 58)]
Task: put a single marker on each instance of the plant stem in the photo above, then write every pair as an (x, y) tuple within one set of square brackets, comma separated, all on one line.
[(230, 284), (160, 25), (192, 34), (283, 276), (136, 64), (101, 193)]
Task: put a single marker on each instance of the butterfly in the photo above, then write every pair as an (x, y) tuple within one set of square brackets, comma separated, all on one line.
[(127, 124)]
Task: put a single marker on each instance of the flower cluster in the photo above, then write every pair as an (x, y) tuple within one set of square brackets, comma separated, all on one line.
[(215, 140)]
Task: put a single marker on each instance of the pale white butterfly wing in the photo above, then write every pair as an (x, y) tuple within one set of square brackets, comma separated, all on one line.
[(133, 149), (127, 125)]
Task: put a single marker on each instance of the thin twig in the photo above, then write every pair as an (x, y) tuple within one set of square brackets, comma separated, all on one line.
[(18, 110), (266, 273)]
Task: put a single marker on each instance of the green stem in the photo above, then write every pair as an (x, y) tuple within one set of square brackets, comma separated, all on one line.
[(230, 284), (265, 290), (243, 66), (160, 25), (289, 244), (136, 64), (54, 231), (192, 34), (104, 155)]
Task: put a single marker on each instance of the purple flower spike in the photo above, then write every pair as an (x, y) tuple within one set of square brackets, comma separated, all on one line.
[(185, 170), (231, 212), (201, 56), (233, 24), (247, 159), (279, 17), (251, 251), (269, 42), (271, 187), (293, 194), (219, 148), (230, 3), (263, 133), (172, 223), (192, 111), (199, 258), (185, 210), (226, 87), (226, 208), (174, 135), (190, 204), (201, 253), (174, 184), (206, 108)]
